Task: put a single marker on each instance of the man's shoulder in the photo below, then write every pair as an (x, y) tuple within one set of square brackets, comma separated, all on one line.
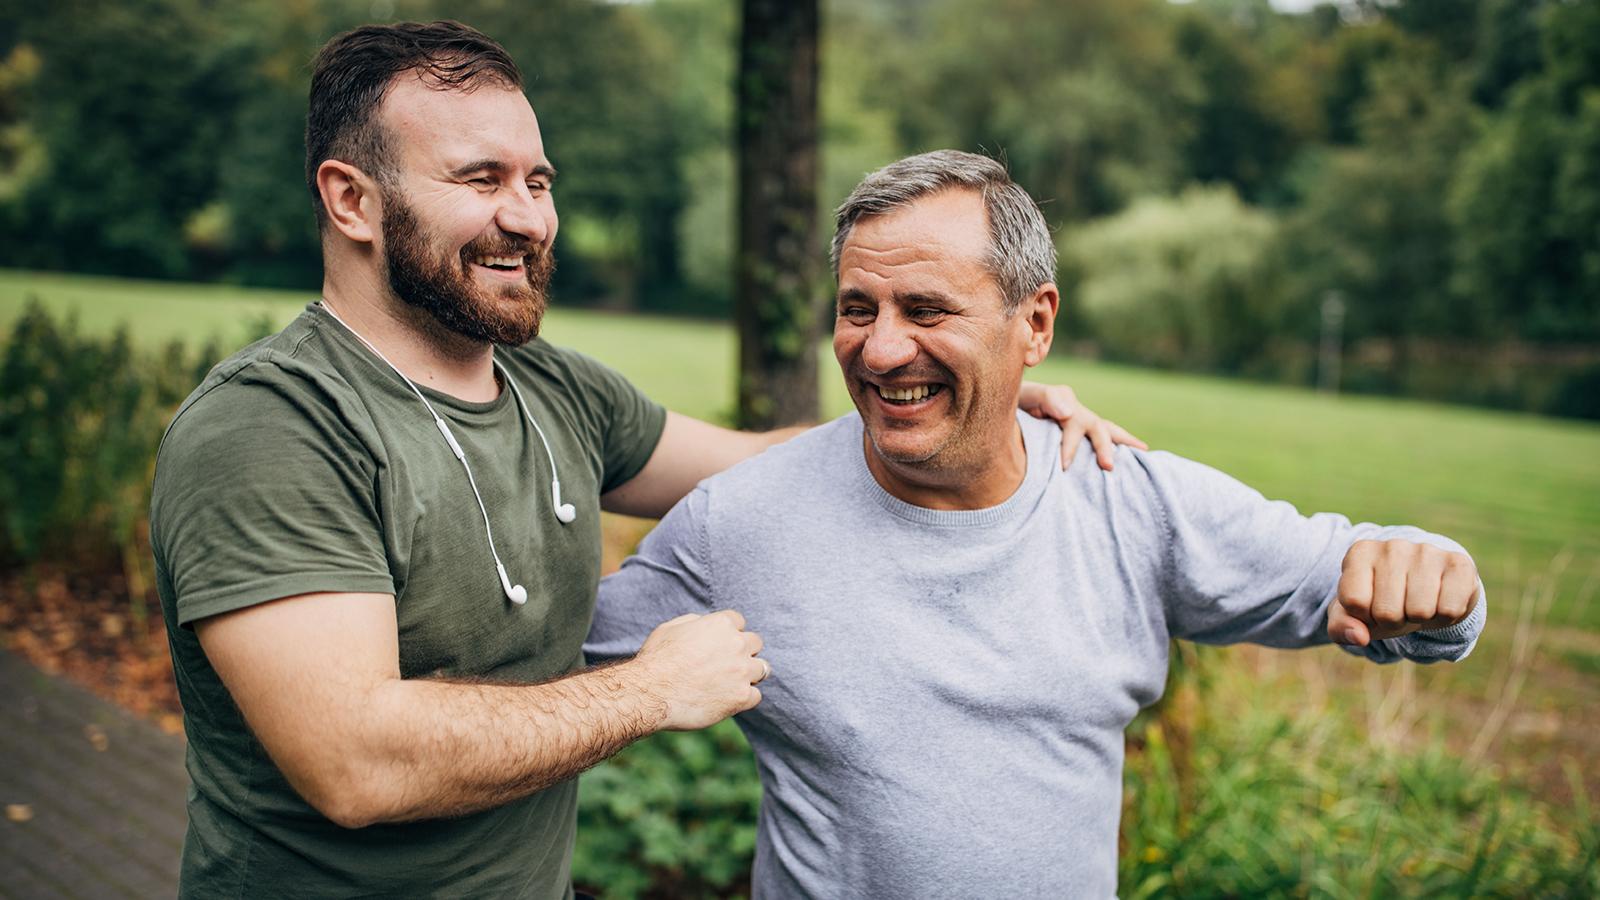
[(824, 452), (571, 368), (787, 478), (281, 379)]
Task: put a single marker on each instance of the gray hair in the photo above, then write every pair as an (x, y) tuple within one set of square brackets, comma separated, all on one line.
[(1021, 255)]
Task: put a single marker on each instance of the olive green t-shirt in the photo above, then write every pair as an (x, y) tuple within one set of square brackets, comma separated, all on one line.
[(303, 463)]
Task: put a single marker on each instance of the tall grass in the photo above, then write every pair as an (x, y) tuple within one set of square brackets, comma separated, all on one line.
[(1268, 792)]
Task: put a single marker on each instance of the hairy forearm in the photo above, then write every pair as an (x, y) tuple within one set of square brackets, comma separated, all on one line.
[(430, 748)]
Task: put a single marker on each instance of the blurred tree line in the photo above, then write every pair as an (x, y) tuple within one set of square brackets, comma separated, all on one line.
[(1214, 169)]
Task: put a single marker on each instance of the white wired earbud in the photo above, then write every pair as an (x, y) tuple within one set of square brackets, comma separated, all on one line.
[(565, 512)]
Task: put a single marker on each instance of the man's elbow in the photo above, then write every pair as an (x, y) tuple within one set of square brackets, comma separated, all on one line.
[(346, 796)]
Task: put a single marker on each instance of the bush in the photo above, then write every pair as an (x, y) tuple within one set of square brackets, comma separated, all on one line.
[(1187, 282), (80, 420), (672, 816)]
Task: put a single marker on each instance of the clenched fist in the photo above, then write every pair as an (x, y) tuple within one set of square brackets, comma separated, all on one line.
[(704, 668), (1391, 588)]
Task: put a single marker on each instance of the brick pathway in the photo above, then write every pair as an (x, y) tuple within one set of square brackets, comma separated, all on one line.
[(105, 791)]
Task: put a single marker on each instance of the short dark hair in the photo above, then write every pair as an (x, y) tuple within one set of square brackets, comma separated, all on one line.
[(352, 74)]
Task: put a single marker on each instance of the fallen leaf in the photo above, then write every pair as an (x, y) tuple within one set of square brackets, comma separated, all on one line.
[(97, 737), (19, 812)]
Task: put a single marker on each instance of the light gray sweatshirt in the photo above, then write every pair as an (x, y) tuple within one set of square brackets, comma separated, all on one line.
[(949, 690)]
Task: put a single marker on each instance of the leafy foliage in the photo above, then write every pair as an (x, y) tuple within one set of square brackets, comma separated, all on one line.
[(672, 816), (1186, 282), (80, 419)]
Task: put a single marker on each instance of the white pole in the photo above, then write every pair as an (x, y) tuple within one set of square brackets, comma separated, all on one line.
[(1332, 334)]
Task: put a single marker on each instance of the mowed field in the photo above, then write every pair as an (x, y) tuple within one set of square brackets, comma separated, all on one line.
[(1521, 492)]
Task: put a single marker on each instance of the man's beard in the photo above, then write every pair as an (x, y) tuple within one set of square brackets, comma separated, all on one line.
[(446, 289)]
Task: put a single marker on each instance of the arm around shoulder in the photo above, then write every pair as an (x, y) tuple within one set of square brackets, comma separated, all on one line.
[(689, 451)]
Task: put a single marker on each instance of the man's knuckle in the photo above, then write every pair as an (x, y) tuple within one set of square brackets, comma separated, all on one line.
[(1388, 615)]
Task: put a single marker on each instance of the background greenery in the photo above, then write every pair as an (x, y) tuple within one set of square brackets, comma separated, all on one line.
[(1213, 168)]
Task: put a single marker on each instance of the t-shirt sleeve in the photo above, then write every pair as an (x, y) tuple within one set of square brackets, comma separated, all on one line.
[(669, 576), (629, 423), (260, 493), (1242, 568)]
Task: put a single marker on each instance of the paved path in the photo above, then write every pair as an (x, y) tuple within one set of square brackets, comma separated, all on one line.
[(105, 791)]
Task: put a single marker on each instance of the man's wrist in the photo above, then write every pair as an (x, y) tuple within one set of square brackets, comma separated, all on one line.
[(640, 690)]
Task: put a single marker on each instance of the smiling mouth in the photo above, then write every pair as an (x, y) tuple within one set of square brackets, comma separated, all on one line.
[(499, 263), (907, 396)]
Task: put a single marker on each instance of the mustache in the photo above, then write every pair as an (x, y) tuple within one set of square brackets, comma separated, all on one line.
[(920, 371), (503, 245)]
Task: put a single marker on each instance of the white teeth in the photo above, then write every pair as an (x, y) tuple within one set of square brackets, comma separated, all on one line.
[(509, 261), (913, 393)]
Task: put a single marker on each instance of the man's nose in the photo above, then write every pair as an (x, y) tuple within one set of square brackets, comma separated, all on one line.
[(889, 346), (523, 213)]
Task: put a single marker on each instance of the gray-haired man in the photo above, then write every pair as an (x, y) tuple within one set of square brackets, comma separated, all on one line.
[(958, 630)]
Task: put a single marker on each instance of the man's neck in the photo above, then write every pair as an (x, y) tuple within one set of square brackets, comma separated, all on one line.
[(984, 477), (417, 345)]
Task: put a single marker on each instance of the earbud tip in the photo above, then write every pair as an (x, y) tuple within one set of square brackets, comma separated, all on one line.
[(566, 512), (519, 594)]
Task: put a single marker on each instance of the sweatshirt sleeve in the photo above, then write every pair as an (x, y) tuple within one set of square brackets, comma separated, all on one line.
[(668, 577), (1241, 568)]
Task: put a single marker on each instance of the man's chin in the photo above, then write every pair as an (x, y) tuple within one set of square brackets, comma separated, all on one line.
[(903, 446)]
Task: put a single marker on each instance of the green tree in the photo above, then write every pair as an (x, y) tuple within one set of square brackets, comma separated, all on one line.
[(1374, 224), (1508, 48), (1086, 101), (131, 103), (1240, 134), (1526, 204)]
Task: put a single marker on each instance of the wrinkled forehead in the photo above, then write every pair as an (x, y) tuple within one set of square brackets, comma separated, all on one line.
[(943, 235), (949, 226), (440, 129)]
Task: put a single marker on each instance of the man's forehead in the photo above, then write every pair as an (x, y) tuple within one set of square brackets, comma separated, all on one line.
[(951, 225), (450, 127)]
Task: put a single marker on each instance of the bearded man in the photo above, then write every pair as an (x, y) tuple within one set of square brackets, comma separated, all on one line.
[(377, 533)]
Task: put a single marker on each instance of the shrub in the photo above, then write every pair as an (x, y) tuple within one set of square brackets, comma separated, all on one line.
[(672, 816), (1188, 282), (80, 420)]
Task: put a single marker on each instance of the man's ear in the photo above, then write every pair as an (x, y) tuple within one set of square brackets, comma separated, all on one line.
[(1039, 312), (351, 199)]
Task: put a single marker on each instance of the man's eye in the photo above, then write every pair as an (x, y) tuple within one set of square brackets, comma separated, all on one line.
[(480, 182), (537, 187), (855, 312), (926, 313)]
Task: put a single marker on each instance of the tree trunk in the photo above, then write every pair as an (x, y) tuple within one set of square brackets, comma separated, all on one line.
[(779, 248)]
